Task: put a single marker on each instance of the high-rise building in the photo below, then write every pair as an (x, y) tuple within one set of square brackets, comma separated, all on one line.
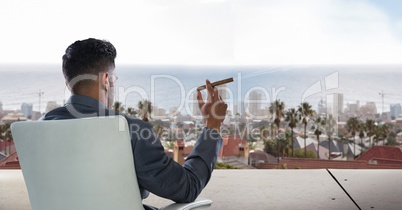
[(372, 107), (395, 110), (26, 110), (353, 108), (1, 106), (338, 102), (254, 103)]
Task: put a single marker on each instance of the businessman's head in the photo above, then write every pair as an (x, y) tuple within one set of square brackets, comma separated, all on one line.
[(88, 67)]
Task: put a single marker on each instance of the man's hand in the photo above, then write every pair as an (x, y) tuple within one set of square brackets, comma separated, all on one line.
[(214, 110)]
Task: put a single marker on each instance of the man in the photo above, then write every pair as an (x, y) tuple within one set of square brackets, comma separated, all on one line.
[(88, 67)]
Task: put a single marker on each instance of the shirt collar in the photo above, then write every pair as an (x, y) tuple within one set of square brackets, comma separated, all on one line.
[(86, 101)]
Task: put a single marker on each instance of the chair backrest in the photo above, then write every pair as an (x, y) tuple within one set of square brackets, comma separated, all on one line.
[(78, 164)]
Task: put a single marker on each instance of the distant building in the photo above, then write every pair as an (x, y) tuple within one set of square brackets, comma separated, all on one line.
[(322, 108), (1, 106), (254, 103), (353, 108), (395, 110), (174, 111), (51, 105), (26, 110), (238, 108), (158, 113), (368, 111), (372, 106), (338, 103)]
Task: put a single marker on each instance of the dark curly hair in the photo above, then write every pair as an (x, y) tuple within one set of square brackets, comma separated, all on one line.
[(89, 56)]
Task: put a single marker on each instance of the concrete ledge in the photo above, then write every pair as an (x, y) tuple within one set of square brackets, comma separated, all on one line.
[(265, 189)]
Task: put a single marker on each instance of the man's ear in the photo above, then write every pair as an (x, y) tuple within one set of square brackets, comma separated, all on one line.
[(105, 80), (68, 86)]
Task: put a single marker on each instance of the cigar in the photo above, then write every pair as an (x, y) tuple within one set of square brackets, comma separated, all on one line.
[(220, 82)]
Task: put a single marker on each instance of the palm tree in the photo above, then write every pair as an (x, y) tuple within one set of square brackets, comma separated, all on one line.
[(376, 132), (330, 124), (384, 131), (118, 106), (5, 133), (319, 122), (370, 125), (263, 126), (285, 143), (362, 130), (2, 131), (291, 116), (277, 111), (145, 109), (306, 112), (131, 111), (352, 125)]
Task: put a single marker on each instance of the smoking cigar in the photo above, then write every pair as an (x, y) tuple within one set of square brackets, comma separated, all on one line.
[(220, 82)]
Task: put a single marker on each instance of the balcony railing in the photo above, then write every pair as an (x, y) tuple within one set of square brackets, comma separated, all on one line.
[(267, 189)]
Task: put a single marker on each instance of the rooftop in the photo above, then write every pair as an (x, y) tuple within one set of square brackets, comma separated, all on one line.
[(262, 189)]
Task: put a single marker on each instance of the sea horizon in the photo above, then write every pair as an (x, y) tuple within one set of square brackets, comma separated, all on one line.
[(167, 85)]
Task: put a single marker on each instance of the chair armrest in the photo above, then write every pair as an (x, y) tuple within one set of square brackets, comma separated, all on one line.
[(198, 203)]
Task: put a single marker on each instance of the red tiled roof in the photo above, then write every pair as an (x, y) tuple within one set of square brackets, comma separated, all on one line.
[(382, 152), (231, 146), (10, 162)]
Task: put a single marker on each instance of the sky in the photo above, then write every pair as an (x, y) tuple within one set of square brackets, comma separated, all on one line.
[(207, 32)]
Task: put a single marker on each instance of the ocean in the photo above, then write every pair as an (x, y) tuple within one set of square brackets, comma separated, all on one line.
[(171, 86)]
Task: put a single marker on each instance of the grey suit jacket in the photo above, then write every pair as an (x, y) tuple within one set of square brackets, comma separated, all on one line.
[(156, 172)]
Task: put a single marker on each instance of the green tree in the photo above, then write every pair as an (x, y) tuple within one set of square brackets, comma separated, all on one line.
[(330, 125), (276, 109), (145, 109), (131, 111), (352, 125), (306, 112), (269, 147), (299, 154), (370, 126), (384, 131), (362, 130), (291, 116), (285, 143), (170, 144), (220, 165), (318, 126), (118, 106), (263, 126), (391, 140), (376, 132), (5, 134)]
